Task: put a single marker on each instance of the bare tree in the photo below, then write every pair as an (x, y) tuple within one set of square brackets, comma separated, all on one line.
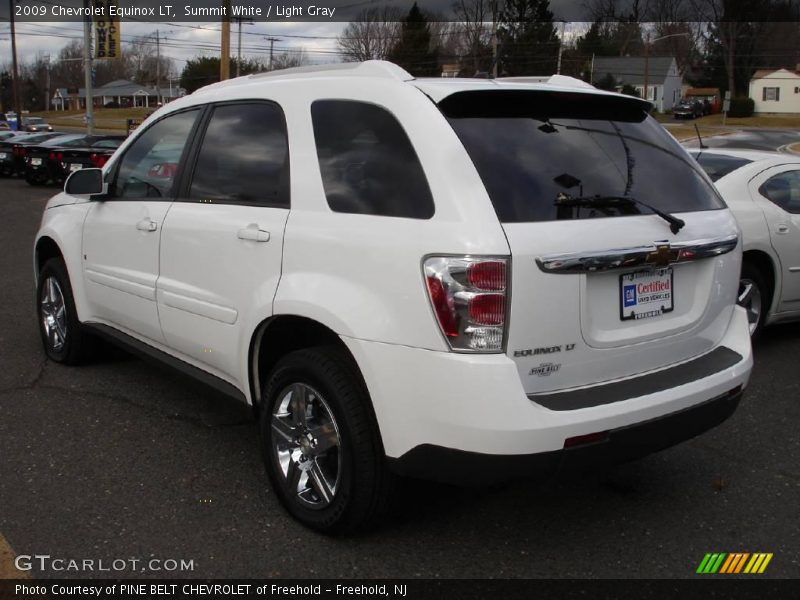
[(142, 61), (290, 58), (372, 34), (474, 30)]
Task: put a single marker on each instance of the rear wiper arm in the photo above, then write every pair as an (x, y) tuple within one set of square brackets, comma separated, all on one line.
[(562, 199)]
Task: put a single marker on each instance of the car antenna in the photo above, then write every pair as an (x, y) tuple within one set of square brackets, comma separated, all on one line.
[(699, 139)]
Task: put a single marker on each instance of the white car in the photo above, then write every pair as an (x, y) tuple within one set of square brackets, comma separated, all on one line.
[(467, 280), (762, 190)]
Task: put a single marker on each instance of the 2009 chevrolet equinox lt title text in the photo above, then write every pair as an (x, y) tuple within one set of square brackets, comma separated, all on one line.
[(466, 280)]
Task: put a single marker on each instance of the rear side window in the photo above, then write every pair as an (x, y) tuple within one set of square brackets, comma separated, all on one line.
[(244, 157), (536, 149), (367, 162), (784, 190), (717, 166)]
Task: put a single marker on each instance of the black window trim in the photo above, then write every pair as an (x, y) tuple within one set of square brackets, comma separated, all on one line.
[(187, 174), (114, 171)]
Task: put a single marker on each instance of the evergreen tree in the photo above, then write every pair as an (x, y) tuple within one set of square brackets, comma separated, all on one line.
[(414, 51), (528, 40)]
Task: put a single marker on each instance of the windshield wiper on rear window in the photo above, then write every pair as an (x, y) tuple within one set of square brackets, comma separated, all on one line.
[(562, 199)]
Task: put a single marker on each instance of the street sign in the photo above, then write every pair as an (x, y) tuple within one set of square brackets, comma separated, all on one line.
[(726, 105)]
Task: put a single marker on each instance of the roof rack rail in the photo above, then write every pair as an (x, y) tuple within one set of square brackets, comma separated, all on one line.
[(368, 68), (559, 80)]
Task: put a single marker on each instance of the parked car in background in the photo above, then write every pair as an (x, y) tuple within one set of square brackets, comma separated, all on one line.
[(54, 159), (763, 191), (464, 280), (688, 109), (35, 124), (14, 149)]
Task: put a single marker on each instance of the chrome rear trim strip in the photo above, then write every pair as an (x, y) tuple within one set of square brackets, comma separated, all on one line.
[(658, 254)]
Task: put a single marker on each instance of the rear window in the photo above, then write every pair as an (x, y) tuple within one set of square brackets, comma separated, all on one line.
[(718, 165), (532, 148)]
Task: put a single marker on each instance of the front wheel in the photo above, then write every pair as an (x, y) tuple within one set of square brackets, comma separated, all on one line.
[(62, 335), (753, 296), (320, 443)]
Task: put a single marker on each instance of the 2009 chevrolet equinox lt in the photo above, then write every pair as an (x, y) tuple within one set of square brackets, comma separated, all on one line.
[(467, 280)]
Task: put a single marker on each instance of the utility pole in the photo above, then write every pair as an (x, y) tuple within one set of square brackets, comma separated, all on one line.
[(87, 71), (47, 83), (158, 68), (239, 20), (560, 47), (494, 39), (225, 43), (15, 80), (271, 41), (239, 50)]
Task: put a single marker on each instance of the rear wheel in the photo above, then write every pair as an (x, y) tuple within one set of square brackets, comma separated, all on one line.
[(753, 297), (62, 334), (320, 443)]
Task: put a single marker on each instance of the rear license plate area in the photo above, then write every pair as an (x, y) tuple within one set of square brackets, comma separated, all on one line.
[(646, 294)]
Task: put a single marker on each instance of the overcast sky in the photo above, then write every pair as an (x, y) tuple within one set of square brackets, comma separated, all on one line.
[(181, 41)]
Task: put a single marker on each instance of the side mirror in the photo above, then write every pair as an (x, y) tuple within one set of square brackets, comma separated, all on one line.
[(85, 182)]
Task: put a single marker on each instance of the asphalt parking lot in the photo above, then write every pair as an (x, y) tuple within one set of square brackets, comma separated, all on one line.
[(122, 460)]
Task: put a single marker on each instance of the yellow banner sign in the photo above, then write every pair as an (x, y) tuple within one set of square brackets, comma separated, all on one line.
[(106, 30)]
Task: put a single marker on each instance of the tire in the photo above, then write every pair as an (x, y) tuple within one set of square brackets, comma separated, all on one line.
[(325, 464), (754, 297), (63, 336)]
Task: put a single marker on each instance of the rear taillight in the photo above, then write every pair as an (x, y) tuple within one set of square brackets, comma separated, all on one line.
[(469, 297), (98, 160), (59, 156)]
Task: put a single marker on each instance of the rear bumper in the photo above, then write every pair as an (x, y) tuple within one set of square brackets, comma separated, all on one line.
[(469, 413), (619, 445)]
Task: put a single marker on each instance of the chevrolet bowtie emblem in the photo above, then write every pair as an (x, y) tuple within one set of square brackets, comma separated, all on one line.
[(661, 256)]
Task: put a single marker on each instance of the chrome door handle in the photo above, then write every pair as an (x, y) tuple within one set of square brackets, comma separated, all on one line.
[(253, 234), (782, 228), (146, 225)]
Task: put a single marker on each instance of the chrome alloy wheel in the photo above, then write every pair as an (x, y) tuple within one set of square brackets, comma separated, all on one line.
[(53, 314), (306, 445), (750, 299)]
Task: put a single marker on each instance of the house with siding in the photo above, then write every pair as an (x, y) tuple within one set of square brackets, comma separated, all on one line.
[(776, 91), (663, 78)]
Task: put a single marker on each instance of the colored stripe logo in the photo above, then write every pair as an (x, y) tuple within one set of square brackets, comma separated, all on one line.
[(734, 563)]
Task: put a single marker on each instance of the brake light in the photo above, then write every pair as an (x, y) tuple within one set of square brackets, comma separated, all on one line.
[(469, 299), (56, 156), (489, 275), (441, 306), (98, 160)]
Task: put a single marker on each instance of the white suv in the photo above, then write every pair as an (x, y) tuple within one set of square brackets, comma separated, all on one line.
[(467, 280)]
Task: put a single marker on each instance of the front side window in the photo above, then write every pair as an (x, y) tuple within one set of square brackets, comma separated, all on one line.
[(771, 93), (546, 156), (367, 163), (150, 164), (244, 157), (783, 190)]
